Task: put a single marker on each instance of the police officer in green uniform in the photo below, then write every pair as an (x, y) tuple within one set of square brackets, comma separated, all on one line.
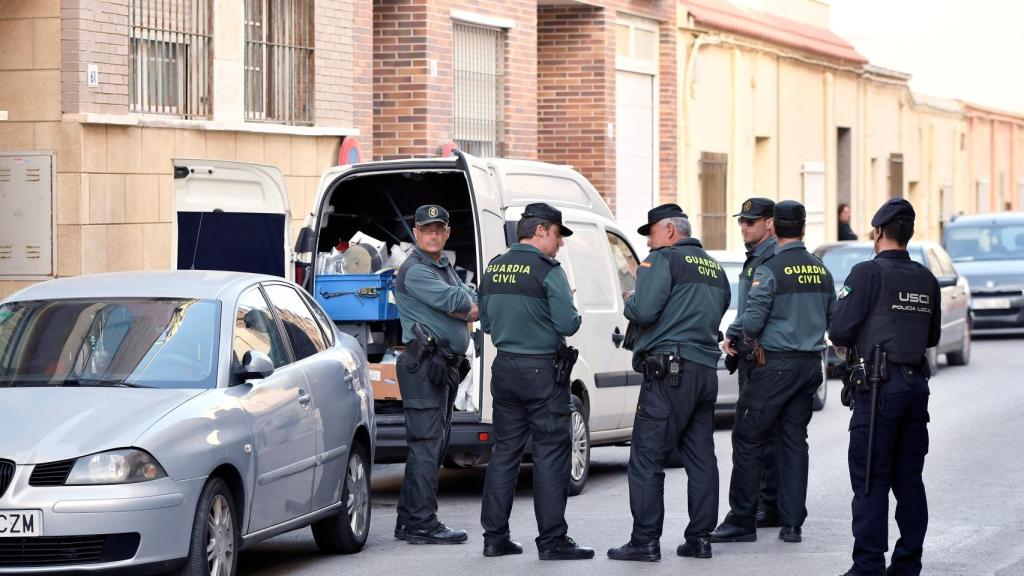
[(681, 296), (434, 305), (527, 308), (755, 221), (790, 304)]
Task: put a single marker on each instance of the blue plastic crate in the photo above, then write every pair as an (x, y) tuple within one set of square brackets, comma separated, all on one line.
[(350, 297)]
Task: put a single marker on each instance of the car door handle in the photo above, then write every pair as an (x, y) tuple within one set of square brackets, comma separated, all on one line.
[(304, 398), (618, 337), (348, 380)]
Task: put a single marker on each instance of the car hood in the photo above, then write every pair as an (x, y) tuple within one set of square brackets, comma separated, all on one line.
[(992, 275), (50, 424)]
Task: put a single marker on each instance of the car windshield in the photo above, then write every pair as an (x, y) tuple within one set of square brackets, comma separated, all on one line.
[(985, 242), (150, 343), (841, 259), (732, 272)]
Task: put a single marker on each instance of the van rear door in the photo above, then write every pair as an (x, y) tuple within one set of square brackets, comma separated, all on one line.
[(231, 216)]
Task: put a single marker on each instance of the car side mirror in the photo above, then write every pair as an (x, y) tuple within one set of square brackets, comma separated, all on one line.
[(947, 281), (255, 365)]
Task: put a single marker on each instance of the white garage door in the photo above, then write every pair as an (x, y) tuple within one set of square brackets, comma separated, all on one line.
[(634, 151)]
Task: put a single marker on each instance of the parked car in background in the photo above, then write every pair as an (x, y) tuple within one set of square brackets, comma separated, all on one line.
[(955, 343), (728, 384), (988, 249), (165, 420)]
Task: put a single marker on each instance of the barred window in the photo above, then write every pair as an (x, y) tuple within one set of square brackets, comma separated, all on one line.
[(279, 61), (171, 59), (479, 92)]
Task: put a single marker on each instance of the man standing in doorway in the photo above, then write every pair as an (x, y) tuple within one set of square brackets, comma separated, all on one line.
[(756, 225), (845, 232), (434, 306)]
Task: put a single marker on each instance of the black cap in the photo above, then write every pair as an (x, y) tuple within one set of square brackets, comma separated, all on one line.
[(431, 213), (790, 211), (659, 213), (757, 208), (893, 209), (546, 212)]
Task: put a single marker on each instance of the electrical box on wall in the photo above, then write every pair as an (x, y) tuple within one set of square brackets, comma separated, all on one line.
[(26, 215)]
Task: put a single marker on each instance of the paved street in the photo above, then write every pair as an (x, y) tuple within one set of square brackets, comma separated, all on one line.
[(973, 476)]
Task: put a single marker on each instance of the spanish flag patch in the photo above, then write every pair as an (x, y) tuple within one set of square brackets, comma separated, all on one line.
[(755, 283), (645, 264)]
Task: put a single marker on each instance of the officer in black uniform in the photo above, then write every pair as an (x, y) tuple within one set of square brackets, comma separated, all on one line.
[(527, 308), (756, 226), (790, 303), (681, 296), (894, 303), (434, 306)]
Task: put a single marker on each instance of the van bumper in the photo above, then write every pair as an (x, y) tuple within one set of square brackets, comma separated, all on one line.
[(469, 443)]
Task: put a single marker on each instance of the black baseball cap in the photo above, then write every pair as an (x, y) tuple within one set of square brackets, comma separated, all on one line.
[(659, 213), (431, 213), (546, 212), (893, 209), (757, 208), (790, 211)]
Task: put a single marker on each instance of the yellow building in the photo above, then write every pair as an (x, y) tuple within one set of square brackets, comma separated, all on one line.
[(773, 104)]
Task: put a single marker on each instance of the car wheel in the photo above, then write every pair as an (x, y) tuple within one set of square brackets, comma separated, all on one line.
[(961, 357), (346, 532), (580, 455), (213, 548), (821, 395)]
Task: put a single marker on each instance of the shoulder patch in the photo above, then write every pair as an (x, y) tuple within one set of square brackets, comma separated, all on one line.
[(645, 264), (755, 283), (846, 291)]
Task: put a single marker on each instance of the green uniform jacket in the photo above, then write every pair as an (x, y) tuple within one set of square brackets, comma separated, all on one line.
[(791, 301), (755, 257), (681, 296), (426, 291), (526, 303)]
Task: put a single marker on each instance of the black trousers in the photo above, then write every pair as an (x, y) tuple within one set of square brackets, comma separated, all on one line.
[(667, 417), (901, 443), (778, 396), (528, 405), (768, 498), (428, 419)]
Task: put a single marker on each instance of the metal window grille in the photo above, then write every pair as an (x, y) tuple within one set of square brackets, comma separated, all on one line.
[(479, 90), (279, 61), (171, 57)]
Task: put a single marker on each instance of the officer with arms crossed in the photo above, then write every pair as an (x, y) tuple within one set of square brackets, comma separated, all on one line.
[(891, 303), (434, 306), (526, 306), (681, 296), (755, 220), (790, 303)]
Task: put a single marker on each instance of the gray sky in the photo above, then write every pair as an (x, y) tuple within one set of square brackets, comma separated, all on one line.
[(964, 49)]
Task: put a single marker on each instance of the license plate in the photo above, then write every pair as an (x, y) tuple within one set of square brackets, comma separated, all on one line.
[(21, 523), (991, 303)]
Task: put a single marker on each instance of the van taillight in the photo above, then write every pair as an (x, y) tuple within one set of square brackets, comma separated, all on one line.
[(300, 273)]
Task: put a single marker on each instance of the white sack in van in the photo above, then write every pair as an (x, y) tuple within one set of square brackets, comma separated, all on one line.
[(467, 399)]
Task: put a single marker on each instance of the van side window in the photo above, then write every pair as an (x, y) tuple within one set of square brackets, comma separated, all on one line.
[(300, 326), (593, 277), (625, 262), (256, 329)]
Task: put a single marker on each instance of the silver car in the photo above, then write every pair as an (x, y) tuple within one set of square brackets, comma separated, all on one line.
[(166, 420)]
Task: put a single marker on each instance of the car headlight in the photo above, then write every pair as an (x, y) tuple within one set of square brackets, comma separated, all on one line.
[(125, 466)]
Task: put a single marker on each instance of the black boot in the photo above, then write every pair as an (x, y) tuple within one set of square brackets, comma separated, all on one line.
[(766, 518), (649, 552), (728, 532), (437, 533), (502, 547), (695, 548), (565, 549), (400, 532), (790, 534)]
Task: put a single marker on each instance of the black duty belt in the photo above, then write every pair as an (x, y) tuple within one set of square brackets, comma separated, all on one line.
[(551, 356), (790, 355)]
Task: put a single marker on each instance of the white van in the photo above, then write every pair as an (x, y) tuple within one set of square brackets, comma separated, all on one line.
[(485, 198)]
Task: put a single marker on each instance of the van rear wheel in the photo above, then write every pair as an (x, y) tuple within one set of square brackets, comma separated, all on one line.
[(580, 454)]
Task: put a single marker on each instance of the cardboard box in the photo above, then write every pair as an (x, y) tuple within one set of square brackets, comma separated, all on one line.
[(384, 379)]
